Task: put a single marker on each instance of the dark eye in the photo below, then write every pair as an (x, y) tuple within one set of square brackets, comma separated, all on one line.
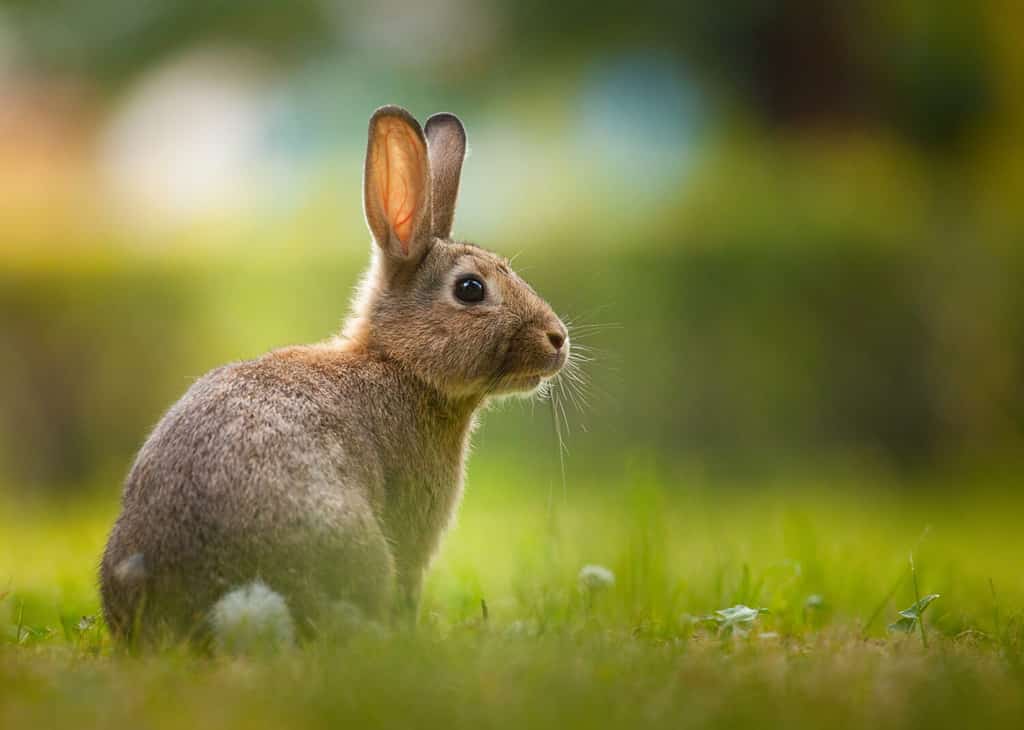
[(469, 289)]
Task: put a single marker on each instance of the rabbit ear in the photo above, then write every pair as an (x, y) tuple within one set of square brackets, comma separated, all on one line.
[(446, 142), (396, 185)]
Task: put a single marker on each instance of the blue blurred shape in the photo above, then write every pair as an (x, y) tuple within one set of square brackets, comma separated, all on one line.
[(642, 117)]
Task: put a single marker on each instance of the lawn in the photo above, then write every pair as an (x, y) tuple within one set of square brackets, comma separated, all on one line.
[(510, 636)]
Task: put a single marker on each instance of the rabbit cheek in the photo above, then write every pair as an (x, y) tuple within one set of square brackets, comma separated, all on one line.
[(490, 350), (465, 355)]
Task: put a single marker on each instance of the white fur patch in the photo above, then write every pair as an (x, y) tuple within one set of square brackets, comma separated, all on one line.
[(252, 620)]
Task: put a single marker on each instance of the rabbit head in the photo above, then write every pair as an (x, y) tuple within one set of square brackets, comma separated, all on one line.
[(452, 312)]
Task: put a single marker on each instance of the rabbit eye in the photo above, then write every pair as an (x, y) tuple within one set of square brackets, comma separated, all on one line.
[(469, 289)]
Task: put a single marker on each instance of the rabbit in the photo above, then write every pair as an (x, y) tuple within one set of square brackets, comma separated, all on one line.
[(326, 474)]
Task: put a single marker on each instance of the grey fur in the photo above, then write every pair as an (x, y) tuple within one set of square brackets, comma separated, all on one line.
[(329, 472)]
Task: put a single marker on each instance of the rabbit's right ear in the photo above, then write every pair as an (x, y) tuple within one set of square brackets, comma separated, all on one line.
[(396, 185)]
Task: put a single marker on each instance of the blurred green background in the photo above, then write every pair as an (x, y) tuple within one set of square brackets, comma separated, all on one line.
[(800, 221)]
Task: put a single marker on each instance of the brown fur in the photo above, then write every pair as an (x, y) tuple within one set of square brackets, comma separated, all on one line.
[(330, 471)]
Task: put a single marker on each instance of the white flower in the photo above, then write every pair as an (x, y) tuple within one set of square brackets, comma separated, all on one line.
[(596, 577)]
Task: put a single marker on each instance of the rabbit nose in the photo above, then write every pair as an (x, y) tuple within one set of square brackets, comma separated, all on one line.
[(557, 339)]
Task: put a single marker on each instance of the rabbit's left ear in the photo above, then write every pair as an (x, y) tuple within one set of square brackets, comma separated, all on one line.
[(446, 144), (396, 185)]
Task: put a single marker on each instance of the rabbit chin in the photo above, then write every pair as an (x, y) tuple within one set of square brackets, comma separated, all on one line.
[(522, 385), (525, 384)]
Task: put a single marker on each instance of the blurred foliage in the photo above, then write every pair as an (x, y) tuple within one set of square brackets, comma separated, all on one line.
[(918, 65), (827, 266), (114, 39)]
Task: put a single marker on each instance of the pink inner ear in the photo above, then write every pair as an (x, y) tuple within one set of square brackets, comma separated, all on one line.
[(400, 173)]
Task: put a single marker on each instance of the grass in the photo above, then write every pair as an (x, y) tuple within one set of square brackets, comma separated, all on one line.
[(829, 560)]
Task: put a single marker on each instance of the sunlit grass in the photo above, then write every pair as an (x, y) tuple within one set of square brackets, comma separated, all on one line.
[(828, 559)]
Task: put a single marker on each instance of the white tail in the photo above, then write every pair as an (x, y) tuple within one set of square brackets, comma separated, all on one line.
[(252, 619)]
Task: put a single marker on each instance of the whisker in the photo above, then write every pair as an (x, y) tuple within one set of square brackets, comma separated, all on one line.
[(581, 335), (576, 379), (587, 386), (573, 365), (596, 326), (593, 312), (560, 446), (564, 387), (579, 400), (560, 402)]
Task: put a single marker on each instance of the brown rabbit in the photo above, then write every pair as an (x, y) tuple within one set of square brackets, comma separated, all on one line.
[(325, 475)]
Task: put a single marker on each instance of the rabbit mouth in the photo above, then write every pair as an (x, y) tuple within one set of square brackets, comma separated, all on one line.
[(522, 370), (529, 379)]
